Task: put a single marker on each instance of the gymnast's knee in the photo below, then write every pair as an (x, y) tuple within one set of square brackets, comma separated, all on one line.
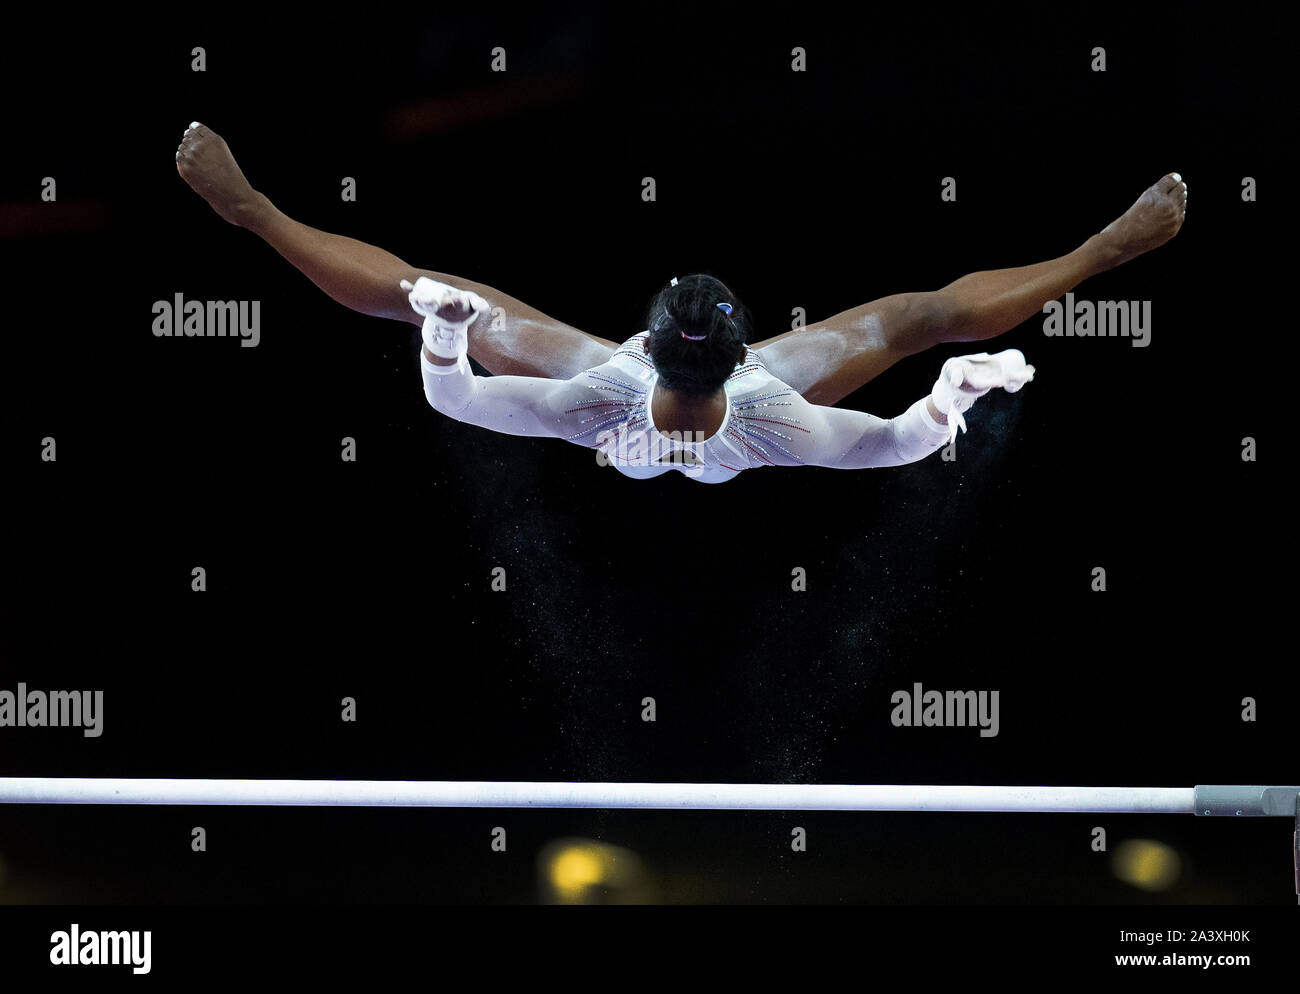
[(927, 319)]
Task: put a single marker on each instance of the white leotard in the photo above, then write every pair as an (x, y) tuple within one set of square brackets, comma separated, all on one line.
[(607, 408)]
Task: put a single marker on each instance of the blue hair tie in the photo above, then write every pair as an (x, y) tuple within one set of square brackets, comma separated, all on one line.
[(726, 308)]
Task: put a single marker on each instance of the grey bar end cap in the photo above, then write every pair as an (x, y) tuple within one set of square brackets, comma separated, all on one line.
[(1242, 801)]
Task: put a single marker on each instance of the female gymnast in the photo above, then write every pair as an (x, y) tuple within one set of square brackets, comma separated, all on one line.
[(689, 393)]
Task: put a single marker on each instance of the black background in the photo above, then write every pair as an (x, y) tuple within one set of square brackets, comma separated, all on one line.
[(371, 579)]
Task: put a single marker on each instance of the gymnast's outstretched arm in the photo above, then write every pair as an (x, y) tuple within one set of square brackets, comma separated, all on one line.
[(514, 405), (845, 439), (518, 340)]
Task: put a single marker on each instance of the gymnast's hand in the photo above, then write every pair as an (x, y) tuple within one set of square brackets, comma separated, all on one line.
[(448, 313), (975, 375), (966, 378), (446, 304)]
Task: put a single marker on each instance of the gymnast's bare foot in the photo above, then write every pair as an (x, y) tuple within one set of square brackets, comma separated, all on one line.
[(206, 164), (1154, 218)]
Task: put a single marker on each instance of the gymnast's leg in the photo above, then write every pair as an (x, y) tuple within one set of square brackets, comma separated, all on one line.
[(514, 339), (829, 360)]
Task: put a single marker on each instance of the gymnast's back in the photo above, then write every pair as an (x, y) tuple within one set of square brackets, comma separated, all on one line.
[(758, 407)]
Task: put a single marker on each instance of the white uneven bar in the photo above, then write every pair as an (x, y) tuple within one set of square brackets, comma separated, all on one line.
[(683, 796)]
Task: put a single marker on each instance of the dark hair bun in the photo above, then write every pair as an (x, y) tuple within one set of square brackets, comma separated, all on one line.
[(696, 342)]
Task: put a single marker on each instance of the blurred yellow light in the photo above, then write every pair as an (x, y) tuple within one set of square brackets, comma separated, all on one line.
[(576, 868), (585, 871), (1146, 864)]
